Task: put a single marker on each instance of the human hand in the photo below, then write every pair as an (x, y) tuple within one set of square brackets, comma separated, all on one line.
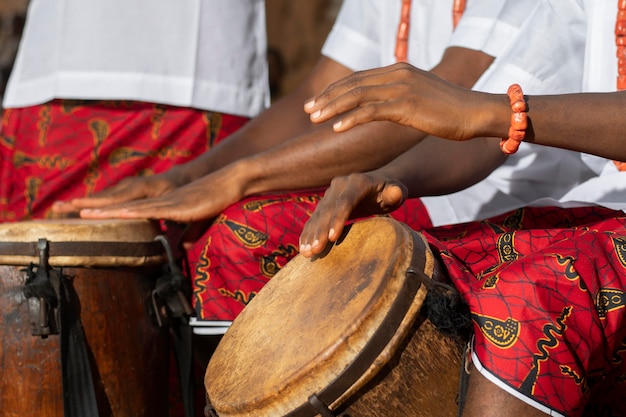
[(199, 200), (402, 94), (129, 189), (351, 196)]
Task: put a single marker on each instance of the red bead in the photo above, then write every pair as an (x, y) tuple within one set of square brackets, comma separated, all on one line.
[(518, 106), (621, 4), (516, 135), (403, 30), (621, 82), (621, 68), (515, 90), (519, 121), (405, 14), (458, 8), (509, 146), (401, 51)]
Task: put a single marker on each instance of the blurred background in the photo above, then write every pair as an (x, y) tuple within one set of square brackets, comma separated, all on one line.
[(296, 33)]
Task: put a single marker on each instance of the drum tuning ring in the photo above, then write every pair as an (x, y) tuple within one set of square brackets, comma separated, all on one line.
[(168, 299), (41, 288)]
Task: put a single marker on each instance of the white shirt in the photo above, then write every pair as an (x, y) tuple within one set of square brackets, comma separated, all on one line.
[(206, 54), (364, 33), (608, 189), (537, 43)]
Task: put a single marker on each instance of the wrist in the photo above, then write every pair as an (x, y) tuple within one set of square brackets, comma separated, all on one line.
[(492, 118), (245, 177), (178, 176)]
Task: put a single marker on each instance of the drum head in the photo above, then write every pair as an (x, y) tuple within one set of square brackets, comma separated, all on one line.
[(315, 319), (81, 242)]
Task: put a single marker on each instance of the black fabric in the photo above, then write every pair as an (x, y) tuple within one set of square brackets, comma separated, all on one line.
[(181, 336), (79, 396)]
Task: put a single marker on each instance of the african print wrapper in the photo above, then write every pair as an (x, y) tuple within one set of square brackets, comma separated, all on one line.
[(68, 149), (545, 287), (250, 242)]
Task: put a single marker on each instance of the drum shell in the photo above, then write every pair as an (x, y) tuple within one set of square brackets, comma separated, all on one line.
[(128, 351), (286, 339), (427, 362)]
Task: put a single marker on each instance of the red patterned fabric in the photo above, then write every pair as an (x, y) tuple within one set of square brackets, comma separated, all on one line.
[(545, 287), (250, 242), (66, 149)]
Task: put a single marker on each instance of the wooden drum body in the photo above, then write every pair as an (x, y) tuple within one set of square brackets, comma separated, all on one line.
[(111, 277), (341, 334)]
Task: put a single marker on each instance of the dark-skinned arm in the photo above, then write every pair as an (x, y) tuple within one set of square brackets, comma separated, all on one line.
[(279, 123), (584, 122), (309, 160)]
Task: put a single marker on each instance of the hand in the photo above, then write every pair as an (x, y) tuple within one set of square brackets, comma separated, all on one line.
[(398, 93), (129, 189), (355, 195), (199, 200)]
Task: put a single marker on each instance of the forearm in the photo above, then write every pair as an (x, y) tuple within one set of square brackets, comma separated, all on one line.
[(284, 120), (585, 122), (313, 161), (437, 166), (591, 123)]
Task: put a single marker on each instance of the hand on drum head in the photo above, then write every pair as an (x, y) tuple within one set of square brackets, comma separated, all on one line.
[(352, 196), (129, 189), (398, 93)]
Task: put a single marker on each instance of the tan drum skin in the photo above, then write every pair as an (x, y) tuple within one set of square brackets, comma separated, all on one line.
[(129, 352), (316, 318)]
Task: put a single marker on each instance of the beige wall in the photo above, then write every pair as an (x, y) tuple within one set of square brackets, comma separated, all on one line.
[(11, 21), (298, 28)]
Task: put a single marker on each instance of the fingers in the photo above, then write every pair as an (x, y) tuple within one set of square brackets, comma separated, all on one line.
[(127, 190), (115, 201), (326, 223), (324, 227), (366, 96), (163, 208), (333, 211), (196, 201), (61, 208), (392, 196), (350, 97)]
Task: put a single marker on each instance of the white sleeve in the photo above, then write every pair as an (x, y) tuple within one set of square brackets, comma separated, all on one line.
[(539, 44)]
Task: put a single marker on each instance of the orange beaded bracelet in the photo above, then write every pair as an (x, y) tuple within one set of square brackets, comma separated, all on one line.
[(519, 120)]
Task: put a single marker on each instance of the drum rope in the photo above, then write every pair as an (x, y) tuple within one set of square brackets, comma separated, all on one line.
[(172, 308)]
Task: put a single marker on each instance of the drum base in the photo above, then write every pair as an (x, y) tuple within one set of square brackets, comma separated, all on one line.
[(129, 353)]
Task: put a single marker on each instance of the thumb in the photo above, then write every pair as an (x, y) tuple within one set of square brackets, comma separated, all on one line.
[(392, 196)]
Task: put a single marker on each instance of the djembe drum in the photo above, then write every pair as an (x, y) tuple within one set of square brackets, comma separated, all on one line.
[(343, 334), (103, 273)]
